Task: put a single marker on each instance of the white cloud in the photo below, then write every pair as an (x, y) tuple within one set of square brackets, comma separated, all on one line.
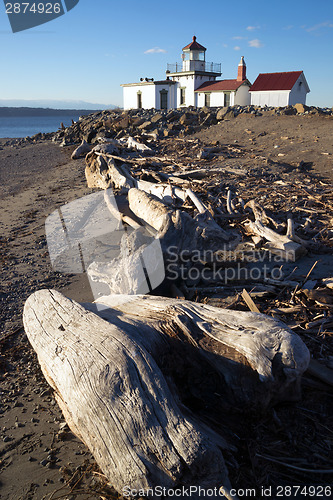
[(256, 43), (252, 28), (155, 50), (326, 24), (237, 47)]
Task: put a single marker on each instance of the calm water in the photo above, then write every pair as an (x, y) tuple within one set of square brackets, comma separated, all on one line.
[(23, 126)]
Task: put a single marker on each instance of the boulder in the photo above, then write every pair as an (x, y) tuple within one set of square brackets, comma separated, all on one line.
[(188, 118), (122, 124), (222, 112), (301, 108), (147, 125), (158, 117), (288, 110)]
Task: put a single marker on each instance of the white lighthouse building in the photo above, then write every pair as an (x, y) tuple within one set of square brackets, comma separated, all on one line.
[(191, 82)]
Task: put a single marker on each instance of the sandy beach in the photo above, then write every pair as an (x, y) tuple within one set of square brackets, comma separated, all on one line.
[(35, 179), (39, 457)]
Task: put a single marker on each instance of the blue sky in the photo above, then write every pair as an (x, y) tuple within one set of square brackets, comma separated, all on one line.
[(87, 53)]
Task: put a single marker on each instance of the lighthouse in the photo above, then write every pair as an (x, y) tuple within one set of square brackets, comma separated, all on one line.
[(190, 82), (192, 72)]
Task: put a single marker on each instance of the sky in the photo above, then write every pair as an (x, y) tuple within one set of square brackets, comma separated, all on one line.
[(88, 52)]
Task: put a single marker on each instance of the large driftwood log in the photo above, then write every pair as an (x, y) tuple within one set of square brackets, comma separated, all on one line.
[(174, 232), (115, 398), (110, 379)]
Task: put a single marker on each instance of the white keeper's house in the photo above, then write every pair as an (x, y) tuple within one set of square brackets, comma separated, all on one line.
[(279, 89), (191, 82)]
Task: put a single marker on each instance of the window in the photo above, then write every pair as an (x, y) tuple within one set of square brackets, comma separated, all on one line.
[(139, 99), (182, 96), (227, 99), (207, 100), (164, 99)]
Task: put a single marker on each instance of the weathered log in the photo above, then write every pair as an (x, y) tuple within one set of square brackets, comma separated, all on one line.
[(265, 345), (83, 149), (115, 398), (109, 379), (176, 232)]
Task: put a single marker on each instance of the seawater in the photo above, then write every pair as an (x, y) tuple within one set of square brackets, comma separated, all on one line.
[(23, 126)]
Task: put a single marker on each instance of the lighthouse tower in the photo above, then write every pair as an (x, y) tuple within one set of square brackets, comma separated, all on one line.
[(192, 72)]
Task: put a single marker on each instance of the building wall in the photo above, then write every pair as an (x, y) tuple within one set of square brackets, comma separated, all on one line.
[(243, 97), (298, 92), (187, 82), (273, 98), (172, 94), (130, 96)]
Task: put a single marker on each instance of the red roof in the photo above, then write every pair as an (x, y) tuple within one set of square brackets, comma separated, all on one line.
[(275, 81), (194, 45), (220, 85)]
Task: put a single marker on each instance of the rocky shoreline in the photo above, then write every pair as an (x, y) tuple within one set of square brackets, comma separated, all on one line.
[(115, 124)]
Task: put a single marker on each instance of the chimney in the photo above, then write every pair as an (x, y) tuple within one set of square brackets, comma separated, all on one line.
[(241, 70)]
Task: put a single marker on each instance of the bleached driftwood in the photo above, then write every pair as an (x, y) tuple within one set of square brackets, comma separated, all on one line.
[(115, 398), (83, 149), (283, 244), (176, 232), (102, 171), (133, 144), (109, 379)]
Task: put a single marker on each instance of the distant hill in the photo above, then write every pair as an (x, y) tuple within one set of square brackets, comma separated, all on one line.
[(7, 112), (54, 104)]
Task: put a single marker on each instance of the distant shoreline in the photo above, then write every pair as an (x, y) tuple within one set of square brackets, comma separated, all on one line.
[(26, 111)]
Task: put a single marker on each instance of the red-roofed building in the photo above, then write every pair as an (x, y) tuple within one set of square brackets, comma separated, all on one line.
[(225, 92), (279, 89)]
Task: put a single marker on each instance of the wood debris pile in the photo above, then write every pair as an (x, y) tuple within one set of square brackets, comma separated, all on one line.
[(276, 212)]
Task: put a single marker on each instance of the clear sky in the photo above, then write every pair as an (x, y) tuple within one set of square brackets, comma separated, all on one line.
[(88, 52)]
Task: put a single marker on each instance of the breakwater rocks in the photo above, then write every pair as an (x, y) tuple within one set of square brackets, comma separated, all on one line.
[(115, 124)]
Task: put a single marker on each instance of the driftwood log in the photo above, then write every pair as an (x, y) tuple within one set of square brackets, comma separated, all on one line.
[(130, 385)]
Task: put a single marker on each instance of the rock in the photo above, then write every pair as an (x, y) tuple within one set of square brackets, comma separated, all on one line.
[(301, 108), (90, 134), (188, 118), (172, 115), (122, 124), (288, 110), (147, 125), (221, 113), (205, 110), (158, 117), (209, 120)]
